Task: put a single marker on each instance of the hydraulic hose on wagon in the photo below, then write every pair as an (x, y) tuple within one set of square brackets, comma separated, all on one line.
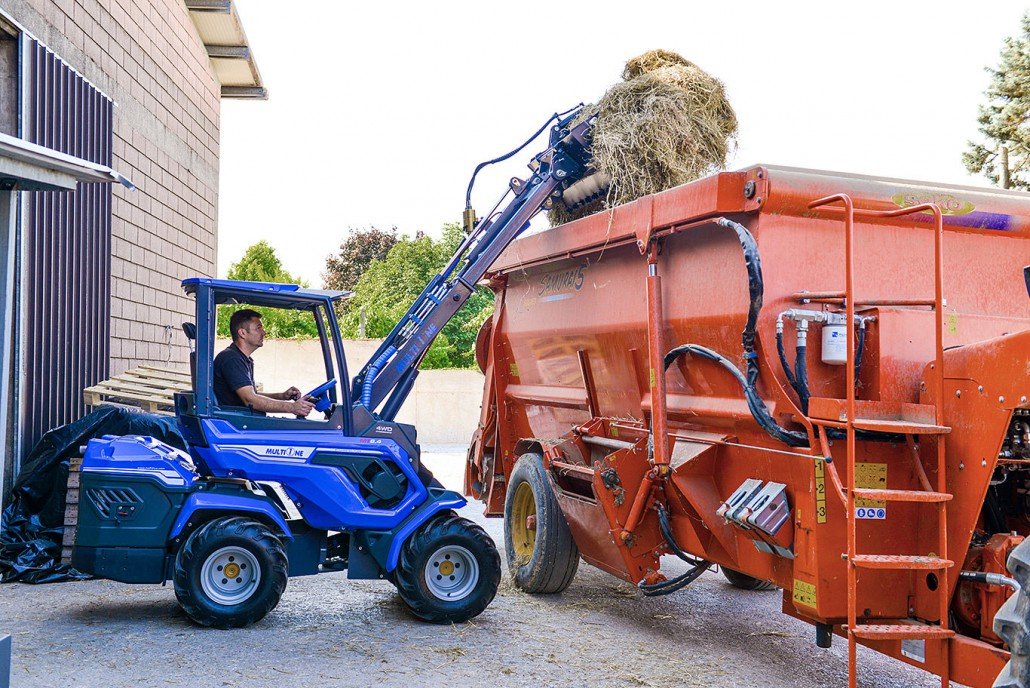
[(755, 404)]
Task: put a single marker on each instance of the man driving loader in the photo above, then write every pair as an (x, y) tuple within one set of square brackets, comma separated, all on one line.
[(234, 371)]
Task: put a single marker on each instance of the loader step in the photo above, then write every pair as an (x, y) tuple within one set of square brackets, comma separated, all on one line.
[(900, 562), (901, 632), (901, 495)]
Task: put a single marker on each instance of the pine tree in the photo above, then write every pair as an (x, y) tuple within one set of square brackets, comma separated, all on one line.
[(1003, 119)]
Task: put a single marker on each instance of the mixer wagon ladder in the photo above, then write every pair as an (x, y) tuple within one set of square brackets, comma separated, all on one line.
[(879, 420)]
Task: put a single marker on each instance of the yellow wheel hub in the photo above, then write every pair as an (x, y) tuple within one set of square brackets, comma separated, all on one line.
[(232, 570), (522, 523), (446, 568)]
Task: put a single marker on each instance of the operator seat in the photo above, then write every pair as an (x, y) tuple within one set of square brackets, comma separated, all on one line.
[(190, 330)]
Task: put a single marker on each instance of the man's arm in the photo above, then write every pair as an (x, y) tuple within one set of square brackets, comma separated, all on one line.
[(289, 395), (268, 404)]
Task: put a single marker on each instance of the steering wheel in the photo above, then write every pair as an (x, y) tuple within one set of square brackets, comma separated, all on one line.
[(319, 396)]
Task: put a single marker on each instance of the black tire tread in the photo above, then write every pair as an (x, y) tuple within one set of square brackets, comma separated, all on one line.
[(1012, 622), (408, 572), (744, 581), (233, 526), (556, 558)]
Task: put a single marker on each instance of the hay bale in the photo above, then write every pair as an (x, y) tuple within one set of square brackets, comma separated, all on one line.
[(652, 60), (667, 123)]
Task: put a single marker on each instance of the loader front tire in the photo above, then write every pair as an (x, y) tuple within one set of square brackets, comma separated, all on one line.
[(744, 581), (1012, 622), (230, 573), (542, 556), (448, 571)]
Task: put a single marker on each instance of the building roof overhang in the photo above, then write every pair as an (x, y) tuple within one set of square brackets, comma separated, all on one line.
[(221, 31)]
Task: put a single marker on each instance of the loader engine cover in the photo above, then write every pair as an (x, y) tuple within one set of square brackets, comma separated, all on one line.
[(131, 489)]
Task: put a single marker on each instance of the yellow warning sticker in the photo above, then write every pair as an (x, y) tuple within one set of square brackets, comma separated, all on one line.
[(871, 476), (804, 593), (514, 369), (820, 492)]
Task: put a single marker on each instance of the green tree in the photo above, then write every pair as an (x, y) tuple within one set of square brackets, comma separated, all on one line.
[(1003, 119), (355, 254), (388, 287), (260, 264)]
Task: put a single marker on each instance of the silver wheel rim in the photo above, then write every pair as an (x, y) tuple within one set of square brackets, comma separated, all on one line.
[(451, 573), (223, 588)]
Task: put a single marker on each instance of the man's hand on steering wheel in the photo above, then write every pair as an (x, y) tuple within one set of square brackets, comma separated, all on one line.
[(291, 394), (301, 407)]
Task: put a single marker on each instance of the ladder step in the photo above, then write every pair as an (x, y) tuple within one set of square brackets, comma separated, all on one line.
[(901, 427), (901, 631), (901, 495), (900, 561)]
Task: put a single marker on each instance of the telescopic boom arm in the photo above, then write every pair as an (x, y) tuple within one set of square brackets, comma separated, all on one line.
[(394, 366)]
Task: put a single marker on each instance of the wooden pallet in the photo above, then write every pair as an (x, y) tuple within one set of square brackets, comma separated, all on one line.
[(71, 509), (148, 387)]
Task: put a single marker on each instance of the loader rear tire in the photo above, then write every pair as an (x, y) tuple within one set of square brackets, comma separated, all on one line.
[(1012, 622), (744, 581), (542, 556), (230, 573)]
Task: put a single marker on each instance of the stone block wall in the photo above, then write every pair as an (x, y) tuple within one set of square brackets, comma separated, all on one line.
[(146, 55)]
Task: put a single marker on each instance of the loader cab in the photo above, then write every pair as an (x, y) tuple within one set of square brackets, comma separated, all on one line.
[(202, 403)]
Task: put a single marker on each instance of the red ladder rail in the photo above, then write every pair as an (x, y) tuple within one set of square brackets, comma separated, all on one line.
[(939, 498)]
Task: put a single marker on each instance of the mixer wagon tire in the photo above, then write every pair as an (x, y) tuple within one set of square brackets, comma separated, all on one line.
[(744, 581), (1012, 622), (448, 571), (542, 556), (230, 573)]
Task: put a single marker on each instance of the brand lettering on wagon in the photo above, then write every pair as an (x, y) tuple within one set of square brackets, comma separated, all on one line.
[(949, 204), (562, 284)]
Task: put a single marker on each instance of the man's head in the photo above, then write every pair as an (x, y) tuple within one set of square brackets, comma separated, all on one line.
[(246, 329)]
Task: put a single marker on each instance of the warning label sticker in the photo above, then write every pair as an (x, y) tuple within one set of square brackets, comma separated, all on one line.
[(804, 593), (871, 476)]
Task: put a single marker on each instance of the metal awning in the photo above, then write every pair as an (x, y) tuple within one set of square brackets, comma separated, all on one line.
[(28, 167), (222, 33)]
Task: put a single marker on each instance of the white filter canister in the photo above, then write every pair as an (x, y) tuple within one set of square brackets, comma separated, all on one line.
[(835, 344)]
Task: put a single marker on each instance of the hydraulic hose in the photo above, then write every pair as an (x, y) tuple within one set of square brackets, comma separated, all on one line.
[(371, 374), (758, 409), (760, 412), (784, 363), (859, 350), (801, 375), (698, 566)]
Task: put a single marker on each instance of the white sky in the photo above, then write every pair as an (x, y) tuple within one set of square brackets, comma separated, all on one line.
[(379, 111)]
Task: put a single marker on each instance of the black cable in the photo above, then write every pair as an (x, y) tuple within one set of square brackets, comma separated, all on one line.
[(472, 182), (859, 350), (801, 375), (673, 584), (758, 409), (666, 528), (698, 566), (785, 364)]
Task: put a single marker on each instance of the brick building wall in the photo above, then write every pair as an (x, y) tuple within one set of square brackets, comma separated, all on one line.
[(146, 55)]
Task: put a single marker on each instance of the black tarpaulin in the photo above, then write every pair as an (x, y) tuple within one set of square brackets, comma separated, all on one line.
[(32, 525)]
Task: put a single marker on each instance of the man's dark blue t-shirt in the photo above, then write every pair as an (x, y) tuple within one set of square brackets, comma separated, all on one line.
[(233, 369)]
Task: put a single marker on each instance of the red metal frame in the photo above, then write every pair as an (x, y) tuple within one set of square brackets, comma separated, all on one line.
[(569, 377)]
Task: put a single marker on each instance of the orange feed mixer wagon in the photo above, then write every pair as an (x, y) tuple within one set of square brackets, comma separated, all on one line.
[(812, 380)]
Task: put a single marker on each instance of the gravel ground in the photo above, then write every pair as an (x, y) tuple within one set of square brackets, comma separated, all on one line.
[(328, 631)]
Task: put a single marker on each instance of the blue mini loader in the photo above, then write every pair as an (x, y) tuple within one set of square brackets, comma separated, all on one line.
[(258, 498)]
